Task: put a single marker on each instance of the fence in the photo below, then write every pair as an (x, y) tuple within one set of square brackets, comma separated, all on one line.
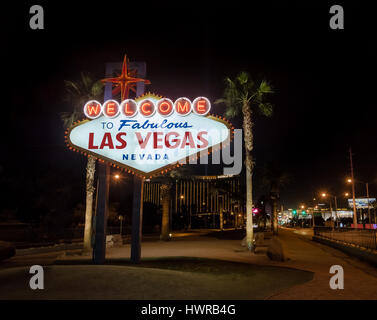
[(24, 234), (366, 238)]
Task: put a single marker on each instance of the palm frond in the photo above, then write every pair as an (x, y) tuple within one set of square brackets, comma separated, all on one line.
[(264, 87), (266, 109), (243, 90), (243, 78), (97, 90), (77, 93), (69, 118), (87, 81)]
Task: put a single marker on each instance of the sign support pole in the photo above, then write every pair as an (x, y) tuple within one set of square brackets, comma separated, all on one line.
[(99, 248), (137, 203), (137, 219), (102, 201)]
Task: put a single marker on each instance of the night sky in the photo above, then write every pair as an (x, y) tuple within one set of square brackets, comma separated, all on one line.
[(324, 80)]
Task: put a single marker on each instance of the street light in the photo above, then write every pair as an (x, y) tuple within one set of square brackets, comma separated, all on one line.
[(324, 195), (117, 176), (353, 197), (354, 204)]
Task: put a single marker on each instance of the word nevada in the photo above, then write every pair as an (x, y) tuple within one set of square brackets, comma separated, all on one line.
[(147, 107)]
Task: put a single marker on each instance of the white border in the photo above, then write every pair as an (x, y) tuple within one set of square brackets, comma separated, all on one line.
[(193, 106), (128, 101), (91, 117), (141, 102), (175, 105), (103, 108), (172, 107)]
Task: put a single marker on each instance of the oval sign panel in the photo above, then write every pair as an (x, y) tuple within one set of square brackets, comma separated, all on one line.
[(148, 134)]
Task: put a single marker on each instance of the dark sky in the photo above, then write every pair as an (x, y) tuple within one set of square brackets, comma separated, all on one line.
[(324, 80)]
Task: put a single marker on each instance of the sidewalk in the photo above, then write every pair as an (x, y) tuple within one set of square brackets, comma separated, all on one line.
[(305, 254), (360, 279)]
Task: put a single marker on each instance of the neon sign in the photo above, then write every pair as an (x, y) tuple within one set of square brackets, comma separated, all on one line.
[(147, 107), (150, 134)]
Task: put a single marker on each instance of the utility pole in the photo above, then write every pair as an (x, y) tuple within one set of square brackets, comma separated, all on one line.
[(370, 221), (336, 212), (353, 193), (332, 222)]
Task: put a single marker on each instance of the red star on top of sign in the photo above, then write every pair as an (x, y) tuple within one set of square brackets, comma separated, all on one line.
[(125, 81)]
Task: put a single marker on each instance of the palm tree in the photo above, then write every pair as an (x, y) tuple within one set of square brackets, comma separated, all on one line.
[(77, 94), (243, 95), (275, 178), (165, 190), (167, 182)]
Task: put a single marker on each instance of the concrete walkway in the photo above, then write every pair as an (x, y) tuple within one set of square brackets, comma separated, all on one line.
[(360, 279), (304, 254)]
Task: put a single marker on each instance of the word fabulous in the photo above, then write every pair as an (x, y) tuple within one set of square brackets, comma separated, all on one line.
[(147, 107)]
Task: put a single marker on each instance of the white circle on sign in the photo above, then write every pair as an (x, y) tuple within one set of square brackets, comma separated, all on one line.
[(91, 109), (159, 107), (115, 107), (178, 106), (142, 105), (195, 106), (132, 103)]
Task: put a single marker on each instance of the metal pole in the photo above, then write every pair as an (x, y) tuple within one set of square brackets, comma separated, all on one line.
[(336, 212), (137, 203), (370, 221), (353, 193), (102, 201), (332, 222), (137, 219), (99, 248)]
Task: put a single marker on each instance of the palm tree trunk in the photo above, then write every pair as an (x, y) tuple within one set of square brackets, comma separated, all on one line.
[(274, 217), (90, 170), (221, 214), (165, 193), (248, 140)]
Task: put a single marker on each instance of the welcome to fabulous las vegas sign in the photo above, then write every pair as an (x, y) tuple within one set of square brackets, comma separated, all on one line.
[(150, 134)]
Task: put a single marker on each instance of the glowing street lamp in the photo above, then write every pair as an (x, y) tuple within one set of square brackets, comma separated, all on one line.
[(117, 176), (324, 195), (353, 193)]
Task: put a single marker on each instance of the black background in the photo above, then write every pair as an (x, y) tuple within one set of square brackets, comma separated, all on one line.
[(324, 80)]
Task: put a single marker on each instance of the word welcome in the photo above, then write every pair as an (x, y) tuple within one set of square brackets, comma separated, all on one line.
[(147, 107)]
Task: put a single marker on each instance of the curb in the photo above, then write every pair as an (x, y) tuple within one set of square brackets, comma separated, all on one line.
[(353, 251)]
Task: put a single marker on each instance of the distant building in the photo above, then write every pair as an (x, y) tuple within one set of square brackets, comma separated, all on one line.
[(196, 201)]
